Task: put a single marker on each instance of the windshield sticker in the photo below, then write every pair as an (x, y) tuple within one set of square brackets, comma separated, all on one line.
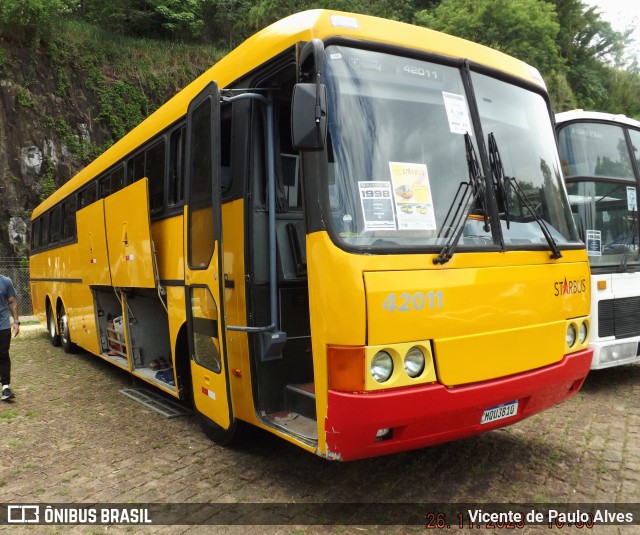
[(632, 201), (457, 113), (377, 205), (594, 243), (412, 196)]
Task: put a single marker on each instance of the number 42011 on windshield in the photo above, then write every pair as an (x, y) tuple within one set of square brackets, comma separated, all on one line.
[(407, 301)]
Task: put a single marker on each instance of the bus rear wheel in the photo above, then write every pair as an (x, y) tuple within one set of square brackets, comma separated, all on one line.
[(63, 329), (51, 327)]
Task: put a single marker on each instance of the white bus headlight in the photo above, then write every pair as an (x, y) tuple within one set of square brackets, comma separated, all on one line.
[(381, 366), (414, 362), (582, 335), (571, 335)]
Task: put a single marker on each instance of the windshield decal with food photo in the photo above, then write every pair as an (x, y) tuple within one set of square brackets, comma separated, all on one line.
[(412, 196)]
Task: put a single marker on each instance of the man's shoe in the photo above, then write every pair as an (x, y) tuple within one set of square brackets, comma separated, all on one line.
[(7, 394)]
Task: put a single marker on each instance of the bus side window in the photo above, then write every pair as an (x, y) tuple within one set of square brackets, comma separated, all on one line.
[(69, 219), (225, 149), (35, 233), (154, 171), (135, 169), (44, 232), (54, 226), (117, 179), (177, 167), (105, 186), (92, 193)]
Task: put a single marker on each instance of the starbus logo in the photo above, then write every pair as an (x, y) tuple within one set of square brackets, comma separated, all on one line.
[(570, 287)]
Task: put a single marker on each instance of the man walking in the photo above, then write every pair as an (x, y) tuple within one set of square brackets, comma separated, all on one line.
[(8, 307)]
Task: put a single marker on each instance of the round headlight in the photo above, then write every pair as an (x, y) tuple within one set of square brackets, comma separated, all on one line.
[(582, 334), (571, 335), (414, 362), (381, 366)]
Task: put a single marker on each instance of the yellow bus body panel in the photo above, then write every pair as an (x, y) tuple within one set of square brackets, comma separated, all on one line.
[(478, 317), (500, 314), (129, 237), (91, 251)]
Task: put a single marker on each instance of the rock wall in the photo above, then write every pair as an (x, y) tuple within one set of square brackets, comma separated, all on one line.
[(37, 123)]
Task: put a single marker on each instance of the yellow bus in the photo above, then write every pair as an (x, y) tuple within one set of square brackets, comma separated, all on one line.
[(350, 232)]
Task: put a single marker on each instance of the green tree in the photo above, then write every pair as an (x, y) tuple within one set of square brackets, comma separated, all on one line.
[(526, 29), (592, 52), (27, 21), (159, 19)]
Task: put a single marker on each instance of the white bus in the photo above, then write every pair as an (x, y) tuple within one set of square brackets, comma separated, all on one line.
[(601, 165)]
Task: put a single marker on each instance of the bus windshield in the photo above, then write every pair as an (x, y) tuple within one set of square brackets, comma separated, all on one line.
[(602, 191), (397, 155)]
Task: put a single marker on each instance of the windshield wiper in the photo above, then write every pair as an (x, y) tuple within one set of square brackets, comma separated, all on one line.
[(500, 181), (467, 197)]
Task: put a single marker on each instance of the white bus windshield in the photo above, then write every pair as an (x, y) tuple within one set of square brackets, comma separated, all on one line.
[(602, 191)]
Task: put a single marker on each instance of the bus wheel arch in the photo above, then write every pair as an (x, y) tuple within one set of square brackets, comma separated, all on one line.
[(54, 338)]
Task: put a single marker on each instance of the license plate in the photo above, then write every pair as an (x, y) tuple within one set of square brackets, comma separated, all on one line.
[(506, 410)]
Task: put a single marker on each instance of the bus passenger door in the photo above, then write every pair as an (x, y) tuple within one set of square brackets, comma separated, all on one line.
[(203, 266)]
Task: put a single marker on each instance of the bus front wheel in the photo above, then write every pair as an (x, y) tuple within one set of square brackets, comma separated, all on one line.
[(223, 437), (237, 433)]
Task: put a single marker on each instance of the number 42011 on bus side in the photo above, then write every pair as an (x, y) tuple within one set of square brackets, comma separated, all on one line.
[(407, 302)]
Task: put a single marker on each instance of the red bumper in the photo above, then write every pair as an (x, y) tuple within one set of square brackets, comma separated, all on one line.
[(432, 414)]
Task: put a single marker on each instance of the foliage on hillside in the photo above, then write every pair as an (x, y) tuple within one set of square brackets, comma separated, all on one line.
[(584, 62)]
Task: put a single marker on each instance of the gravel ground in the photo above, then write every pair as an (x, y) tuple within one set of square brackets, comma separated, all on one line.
[(71, 437)]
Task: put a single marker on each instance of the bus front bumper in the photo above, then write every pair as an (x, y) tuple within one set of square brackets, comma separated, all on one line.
[(426, 415)]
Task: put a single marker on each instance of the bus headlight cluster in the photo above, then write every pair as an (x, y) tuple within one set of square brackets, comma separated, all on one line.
[(382, 364), (577, 333)]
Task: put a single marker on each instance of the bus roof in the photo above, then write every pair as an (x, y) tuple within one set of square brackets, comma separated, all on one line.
[(277, 38), (575, 115)]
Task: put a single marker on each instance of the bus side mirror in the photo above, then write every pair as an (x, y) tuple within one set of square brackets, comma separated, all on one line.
[(309, 116)]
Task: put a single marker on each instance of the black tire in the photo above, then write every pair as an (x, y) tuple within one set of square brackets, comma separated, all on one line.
[(51, 327), (223, 437), (237, 433), (63, 329)]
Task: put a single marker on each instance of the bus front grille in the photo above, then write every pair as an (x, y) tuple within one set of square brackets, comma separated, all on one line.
[(619, 317)]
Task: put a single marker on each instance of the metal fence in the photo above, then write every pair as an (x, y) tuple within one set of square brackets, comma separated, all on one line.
[(18, 272)]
